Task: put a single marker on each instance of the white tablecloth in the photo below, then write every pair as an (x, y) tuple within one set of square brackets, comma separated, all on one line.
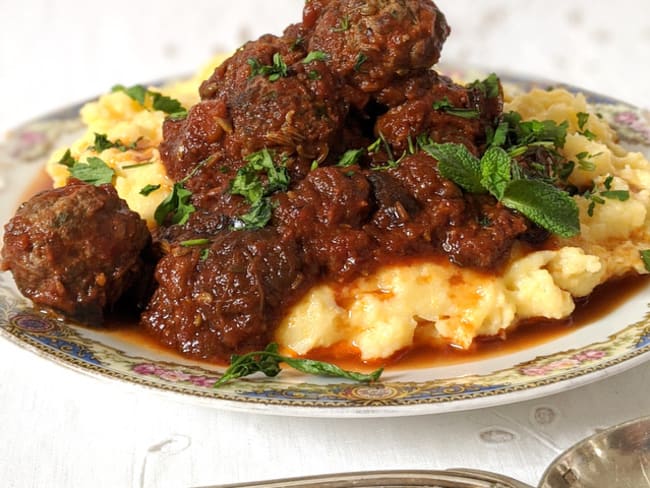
[(61, 428)]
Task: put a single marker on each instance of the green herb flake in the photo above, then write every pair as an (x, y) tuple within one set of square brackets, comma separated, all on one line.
[(177, 204), (350, 158), (620, 195), (315, 56), (343, 24), (269, 360), (94, 171), (489, 87), (645, 257), (257, 217), (274, 72), (163, 103), (361, 59), (67, 159), (137, 165), (195, 242), (445, 106), (148, 190), (583, 118)]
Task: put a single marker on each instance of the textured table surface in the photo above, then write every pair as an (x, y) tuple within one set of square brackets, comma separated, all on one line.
[(60, 428)]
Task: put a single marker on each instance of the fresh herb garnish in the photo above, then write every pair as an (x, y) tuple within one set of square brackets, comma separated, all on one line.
[(544, 204), (585, 162), (177, 203), (139, 93), (137, 165), (94, 171), (520, 134), (361, 58), (195, 242), (645, 257), (599, 197), (350, 158), (268, 362), (315, 56), (342, 25), (102, 143), (248, 183), (583, 118), (489, 87), (148, 189), (274, 72), (445, 106)]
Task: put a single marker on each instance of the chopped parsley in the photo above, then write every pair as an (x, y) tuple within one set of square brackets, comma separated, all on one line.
[(361, 59), (342, 25), (585, 162), (102, 143), (94, 171), (148, 190), (583, 118), (274, 72), (315, 56), (599, 197), (172, 107), (350, 158), (250, 184), (445, 106), (489, 87)]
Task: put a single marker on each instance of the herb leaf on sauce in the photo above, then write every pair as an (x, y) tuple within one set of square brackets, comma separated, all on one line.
[(148, 189), (446, 106), (457, 164), (269, 360)]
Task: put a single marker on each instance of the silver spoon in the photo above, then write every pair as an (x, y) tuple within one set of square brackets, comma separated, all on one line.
[(617, 457)]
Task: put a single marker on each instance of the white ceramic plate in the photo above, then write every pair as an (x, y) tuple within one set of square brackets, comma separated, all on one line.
[(613, 343)]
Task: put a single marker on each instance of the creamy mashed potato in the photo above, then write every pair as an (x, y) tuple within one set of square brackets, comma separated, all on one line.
[(427, 302)]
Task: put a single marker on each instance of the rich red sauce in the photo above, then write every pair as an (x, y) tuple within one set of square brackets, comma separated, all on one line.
[(605, 299)]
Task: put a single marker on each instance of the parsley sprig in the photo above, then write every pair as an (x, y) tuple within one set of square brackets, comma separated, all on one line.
[(546, 205), (599, 197), (269, 360), (444, 105)]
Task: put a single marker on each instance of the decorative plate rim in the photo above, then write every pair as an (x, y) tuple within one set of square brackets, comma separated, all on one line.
[(77, 348)]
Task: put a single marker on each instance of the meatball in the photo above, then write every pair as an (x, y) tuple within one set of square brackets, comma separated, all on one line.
[(75, 249), (371, 43), (223, 297), (435, 106), (299, 117)]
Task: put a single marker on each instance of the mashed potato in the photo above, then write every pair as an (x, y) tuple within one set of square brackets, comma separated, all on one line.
[(428, 302)]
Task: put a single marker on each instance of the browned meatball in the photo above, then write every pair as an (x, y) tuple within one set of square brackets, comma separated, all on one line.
[(222, 298), (371, 43), (298, 116), (233, 73), (433, 105), (75, 249)]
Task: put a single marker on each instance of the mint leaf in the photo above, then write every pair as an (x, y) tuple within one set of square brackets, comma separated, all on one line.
[(496, 171), (457, 164), (645, 257), (544, 204)]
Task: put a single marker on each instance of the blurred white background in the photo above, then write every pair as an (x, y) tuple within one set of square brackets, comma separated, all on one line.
[(56, 53)]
